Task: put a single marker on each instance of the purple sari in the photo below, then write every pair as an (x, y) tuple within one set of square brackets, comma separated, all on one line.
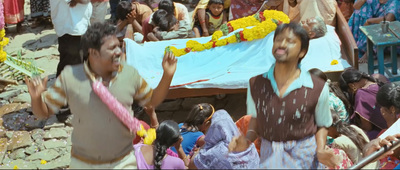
[(366, 107), (214, 154)]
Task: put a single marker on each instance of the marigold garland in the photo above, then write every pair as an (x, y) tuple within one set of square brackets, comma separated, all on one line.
[(148, 136), (3, 42), (263, 23)]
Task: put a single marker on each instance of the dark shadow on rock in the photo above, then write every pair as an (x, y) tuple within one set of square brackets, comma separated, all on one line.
[(45, 41)]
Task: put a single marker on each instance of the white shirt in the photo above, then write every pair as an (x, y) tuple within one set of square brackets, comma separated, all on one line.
[(67, 20)]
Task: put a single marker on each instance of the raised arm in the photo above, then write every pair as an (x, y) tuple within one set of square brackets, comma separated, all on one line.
[(36, 87), (169, 66)]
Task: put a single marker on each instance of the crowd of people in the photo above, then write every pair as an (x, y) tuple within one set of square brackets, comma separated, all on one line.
[(295, 118)]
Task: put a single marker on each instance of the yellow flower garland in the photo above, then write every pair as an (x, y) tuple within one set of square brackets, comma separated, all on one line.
[(3, 42), (263, 22), (148, 136)]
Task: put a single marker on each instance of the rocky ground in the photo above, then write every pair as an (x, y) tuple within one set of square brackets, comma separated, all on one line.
[(25, 141)]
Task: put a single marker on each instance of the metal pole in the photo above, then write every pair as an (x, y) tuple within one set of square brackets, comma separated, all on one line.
[(375, 155)]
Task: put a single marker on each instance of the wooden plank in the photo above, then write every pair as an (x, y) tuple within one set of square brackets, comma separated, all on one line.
[(349, 47)]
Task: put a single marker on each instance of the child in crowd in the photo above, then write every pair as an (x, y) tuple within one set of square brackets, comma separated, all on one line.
[(214, 18), (338, 102), (193, 128), (388, 97), (134, 14), (154, 156), (167, 27)]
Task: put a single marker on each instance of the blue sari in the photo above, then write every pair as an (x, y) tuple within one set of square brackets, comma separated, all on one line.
[(370, 9)]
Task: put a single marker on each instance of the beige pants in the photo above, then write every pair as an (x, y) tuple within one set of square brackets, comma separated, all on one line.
[(128, 162), (99, 12)]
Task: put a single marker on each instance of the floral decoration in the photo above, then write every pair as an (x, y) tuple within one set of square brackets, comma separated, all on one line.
[(3, 42), (261, 24), (148, 136)]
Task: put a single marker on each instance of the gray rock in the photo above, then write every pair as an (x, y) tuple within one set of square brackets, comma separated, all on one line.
[(47, 40), (3, 148), (33, 123), (19, 164), (6, 160), (9, 94), (23, 88), (37, 134), (9, 134), (46, 155), (20, 139), (59, 163), (55, 133), (188, 103), (45, 52), (180, 116), (31, 149), (69, 143), (52, 122), (18, 154), (22, 98), (15, 121), (53, 143), (170, 105)]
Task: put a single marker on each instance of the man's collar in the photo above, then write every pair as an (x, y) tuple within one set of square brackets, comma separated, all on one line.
[(303, 80)]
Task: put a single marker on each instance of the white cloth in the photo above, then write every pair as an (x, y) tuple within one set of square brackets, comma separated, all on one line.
[(67, 20), (99, 12), (227, 67)]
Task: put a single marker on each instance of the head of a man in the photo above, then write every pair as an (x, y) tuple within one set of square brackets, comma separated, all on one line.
[(165, 21), (101, 47), (167, 5), (123, 9), (291, 43), (315, 26)]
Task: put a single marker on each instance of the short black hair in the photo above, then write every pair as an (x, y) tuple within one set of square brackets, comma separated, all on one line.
[(93, 37), (123, 9), (164, 20), (167, 5), (219, 2), (297, 30)]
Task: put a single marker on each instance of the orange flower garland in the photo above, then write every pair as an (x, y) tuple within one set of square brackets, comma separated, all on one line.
[(263, 23)]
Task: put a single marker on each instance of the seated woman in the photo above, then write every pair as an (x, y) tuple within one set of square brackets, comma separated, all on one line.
[(388, 98), (215, 153), (362, 88), (154, 156), (369, 12)]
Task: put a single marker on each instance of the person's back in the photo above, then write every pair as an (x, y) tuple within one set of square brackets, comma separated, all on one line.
[(154, 156)]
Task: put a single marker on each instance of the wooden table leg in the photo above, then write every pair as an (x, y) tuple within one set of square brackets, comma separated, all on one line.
[(381, 62), (393, 53), (370, 57)]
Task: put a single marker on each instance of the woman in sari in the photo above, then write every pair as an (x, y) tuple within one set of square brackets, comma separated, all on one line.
[(369, 12), (215, 153), (14, 12), (362, 88)]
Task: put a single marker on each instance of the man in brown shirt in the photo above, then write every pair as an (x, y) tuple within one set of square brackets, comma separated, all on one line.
[(99, 138)]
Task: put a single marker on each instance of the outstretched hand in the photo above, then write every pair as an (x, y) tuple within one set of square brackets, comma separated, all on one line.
[(376, 144), (36, 86), (169, 63)]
